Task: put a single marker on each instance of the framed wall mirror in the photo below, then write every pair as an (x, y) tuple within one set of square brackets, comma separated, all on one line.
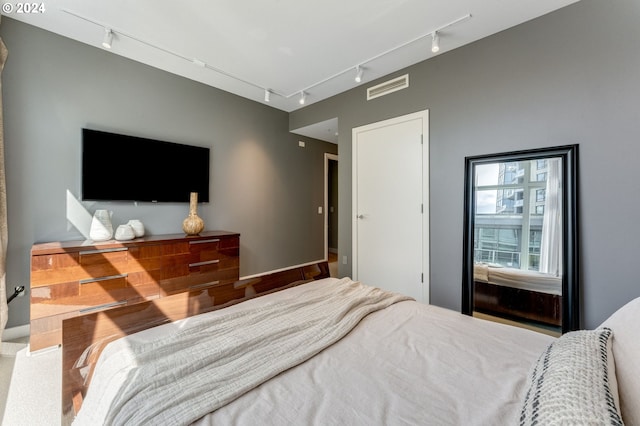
[(520, 258)]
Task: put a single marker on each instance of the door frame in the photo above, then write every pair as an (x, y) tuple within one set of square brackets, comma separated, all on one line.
[(327, 157), (424, 116)]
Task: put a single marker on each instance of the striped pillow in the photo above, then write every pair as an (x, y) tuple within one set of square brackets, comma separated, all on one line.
[(573, 382)]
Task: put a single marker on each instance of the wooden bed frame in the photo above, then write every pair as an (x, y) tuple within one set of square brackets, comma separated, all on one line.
[(84, 337), (516, 303)]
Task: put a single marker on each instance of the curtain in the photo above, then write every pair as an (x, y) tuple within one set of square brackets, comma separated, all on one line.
[(4, 311), (551, 241)]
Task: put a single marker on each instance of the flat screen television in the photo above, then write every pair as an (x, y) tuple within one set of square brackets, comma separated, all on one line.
[(128, 168)]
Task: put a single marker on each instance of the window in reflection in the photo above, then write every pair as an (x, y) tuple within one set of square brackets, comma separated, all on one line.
[(511, 206)]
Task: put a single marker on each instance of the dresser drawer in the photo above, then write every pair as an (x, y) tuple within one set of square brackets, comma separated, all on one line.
[(65, 267), (204, 252), (48, 301), (145, 259), (214, 266), (95, 287), (103, 258), (48, 293), (103, 263), (214, 248)]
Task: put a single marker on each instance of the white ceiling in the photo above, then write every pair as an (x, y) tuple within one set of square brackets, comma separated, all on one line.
[(286, 46)]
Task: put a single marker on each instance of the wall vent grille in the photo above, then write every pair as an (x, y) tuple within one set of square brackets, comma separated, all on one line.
[(387, 87)]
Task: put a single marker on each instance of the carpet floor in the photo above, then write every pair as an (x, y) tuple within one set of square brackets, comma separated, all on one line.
[(29, 386)]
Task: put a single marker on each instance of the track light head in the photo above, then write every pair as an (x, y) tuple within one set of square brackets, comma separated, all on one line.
[(108, 38), (303, 98), (359, 73), (199, 63), (435, 42), (267, 95)]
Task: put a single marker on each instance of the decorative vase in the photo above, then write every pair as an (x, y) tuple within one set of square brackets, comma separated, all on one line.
[(124, 233), (101, 227), (138, 227), (193, 224)]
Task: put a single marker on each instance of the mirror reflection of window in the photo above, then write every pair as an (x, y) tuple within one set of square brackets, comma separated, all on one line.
[(517, 215), (520, 239)]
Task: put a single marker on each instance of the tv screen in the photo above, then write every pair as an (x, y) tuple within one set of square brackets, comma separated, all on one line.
[(128, 168)]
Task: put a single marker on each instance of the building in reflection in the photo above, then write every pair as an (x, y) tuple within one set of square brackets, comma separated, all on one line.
[(508, 233)]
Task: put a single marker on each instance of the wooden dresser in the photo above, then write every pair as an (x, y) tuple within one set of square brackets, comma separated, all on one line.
[(76, 277)]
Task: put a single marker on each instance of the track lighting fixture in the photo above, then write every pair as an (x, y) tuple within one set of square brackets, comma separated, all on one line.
[(435, 42), (108, 37), (267, 95), (199, 63), (303, 98), (359, 72)]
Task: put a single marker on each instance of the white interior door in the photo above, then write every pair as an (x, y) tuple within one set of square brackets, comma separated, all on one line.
[(390, 184)]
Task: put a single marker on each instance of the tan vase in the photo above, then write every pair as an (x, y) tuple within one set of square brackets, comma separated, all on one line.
[(193, 224)]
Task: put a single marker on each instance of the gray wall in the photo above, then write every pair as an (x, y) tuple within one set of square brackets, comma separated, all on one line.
[(262, 184), (568, 77)]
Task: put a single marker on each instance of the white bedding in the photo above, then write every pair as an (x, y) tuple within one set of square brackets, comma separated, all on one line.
[(518, 278), (409, 363)]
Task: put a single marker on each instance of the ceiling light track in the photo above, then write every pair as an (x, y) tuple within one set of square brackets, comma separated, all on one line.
[(109, 32)]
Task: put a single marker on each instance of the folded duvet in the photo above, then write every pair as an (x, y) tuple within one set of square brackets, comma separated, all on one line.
[(190, 370)]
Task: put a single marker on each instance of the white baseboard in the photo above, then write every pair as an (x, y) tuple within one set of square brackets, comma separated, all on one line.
[(14, 333)]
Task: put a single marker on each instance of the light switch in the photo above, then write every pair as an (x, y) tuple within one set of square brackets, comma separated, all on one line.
[(320, 210)]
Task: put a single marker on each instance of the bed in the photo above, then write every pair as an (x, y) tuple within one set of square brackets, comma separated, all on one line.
[(340, 352), (519, 294)]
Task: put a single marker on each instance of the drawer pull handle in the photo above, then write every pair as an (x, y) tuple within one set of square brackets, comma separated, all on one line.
[(206, 262), (216, 240), (109, 250), (110, 277), (197, 286), (105, 306)]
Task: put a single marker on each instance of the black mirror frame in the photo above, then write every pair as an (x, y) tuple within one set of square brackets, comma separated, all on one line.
[(570, 248)]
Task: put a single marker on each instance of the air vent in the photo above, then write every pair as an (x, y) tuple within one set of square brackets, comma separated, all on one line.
[(388, 87)]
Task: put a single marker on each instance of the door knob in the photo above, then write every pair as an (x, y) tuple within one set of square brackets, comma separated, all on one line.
[(360, 216)]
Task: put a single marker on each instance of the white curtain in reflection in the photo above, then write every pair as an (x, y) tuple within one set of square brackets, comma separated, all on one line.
[(551, 243)]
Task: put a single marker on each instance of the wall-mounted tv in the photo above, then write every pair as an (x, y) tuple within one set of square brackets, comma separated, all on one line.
[(127, 168)]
